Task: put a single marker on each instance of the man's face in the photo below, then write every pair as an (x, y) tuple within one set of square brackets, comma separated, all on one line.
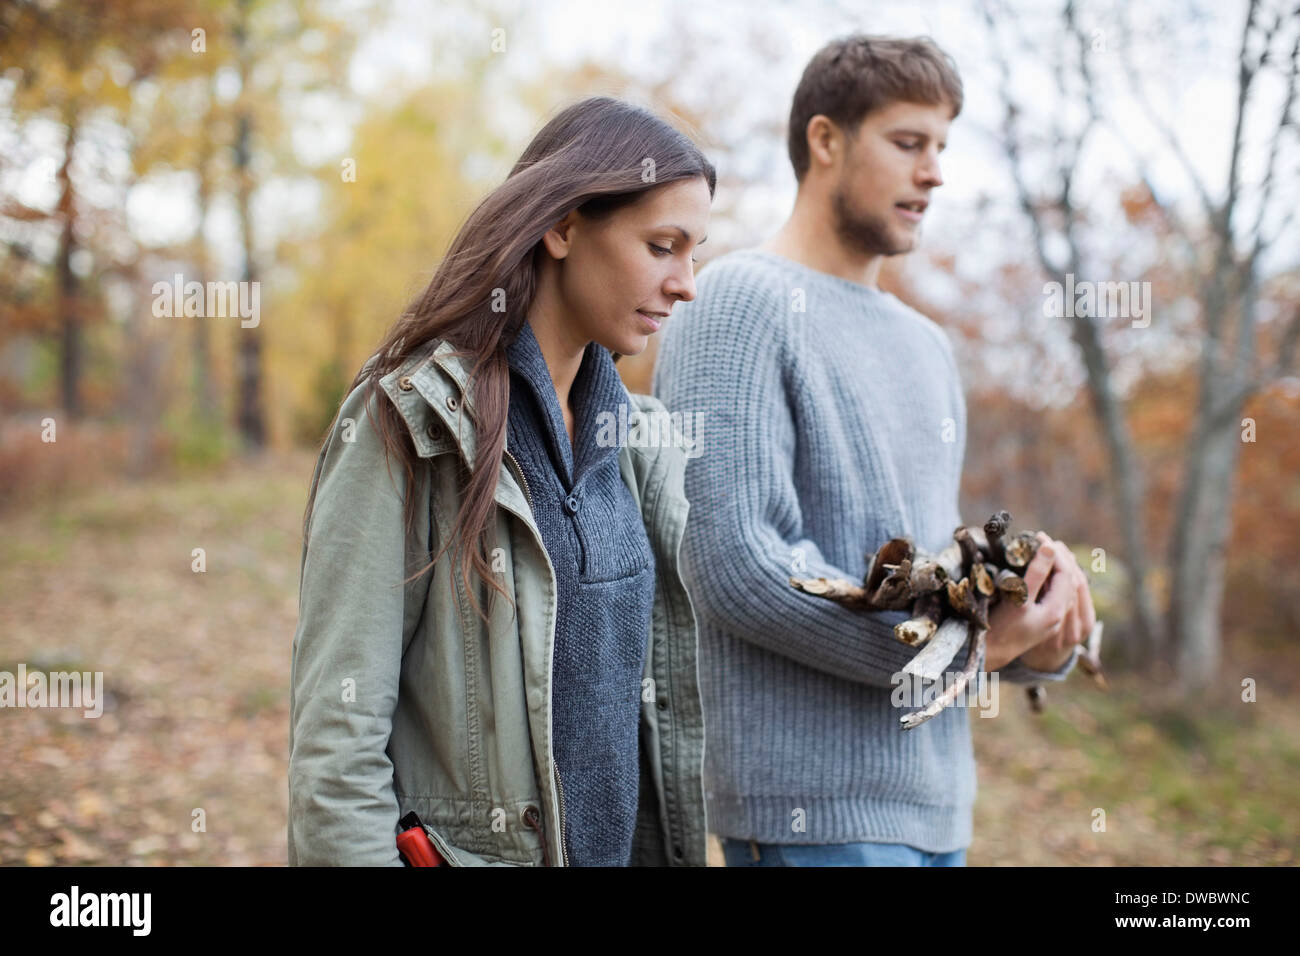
[(890, 166)]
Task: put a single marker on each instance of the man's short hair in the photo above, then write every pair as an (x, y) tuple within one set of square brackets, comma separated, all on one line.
[(853, 75)]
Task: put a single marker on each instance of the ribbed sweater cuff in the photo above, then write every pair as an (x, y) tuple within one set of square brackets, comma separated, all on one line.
[(1017, 672)]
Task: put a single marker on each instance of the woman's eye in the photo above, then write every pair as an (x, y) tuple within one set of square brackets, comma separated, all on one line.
[(661, 250)]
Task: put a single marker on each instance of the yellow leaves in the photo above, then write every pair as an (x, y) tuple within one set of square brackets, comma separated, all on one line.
[(380, 235)]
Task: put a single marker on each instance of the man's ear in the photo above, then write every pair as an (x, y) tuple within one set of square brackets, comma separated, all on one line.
[(559, 237), (824, 138)]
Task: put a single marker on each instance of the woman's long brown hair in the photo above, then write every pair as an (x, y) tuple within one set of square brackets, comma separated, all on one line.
[(595, 156)]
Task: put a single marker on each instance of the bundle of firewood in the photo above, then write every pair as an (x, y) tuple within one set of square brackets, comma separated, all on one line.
[(950, 595)]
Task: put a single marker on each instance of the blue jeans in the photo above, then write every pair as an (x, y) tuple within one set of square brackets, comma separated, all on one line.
[(741, 853)]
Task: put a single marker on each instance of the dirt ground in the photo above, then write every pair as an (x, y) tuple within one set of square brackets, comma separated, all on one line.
[(195, 722)]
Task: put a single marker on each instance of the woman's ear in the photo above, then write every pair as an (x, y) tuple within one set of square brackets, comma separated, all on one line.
[(559, 237)]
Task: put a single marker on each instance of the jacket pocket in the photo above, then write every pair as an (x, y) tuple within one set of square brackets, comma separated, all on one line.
[(455, 856), (445, 849)]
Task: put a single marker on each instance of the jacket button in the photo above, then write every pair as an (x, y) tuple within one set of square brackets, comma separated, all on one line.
[(404, 383), (663, 703), (452, 403), (572, 504), (432, 430)]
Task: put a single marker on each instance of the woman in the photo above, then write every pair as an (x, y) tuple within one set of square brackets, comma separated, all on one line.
[(530, 690)]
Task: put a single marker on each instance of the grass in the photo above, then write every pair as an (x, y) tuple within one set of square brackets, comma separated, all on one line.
[(1182, 781)]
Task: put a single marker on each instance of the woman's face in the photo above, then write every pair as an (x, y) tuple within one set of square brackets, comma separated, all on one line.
[(619, 277)]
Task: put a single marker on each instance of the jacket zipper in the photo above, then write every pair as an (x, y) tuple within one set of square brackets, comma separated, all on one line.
[(564, 850), (522, 480), (559, 786)]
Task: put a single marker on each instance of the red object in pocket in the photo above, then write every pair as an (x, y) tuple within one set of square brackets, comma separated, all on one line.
[(414, 843)]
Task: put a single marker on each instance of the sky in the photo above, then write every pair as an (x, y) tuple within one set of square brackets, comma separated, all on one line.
[(1192, 84), (761, 48)]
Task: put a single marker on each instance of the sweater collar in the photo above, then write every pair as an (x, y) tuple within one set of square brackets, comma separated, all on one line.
[(597, 389)]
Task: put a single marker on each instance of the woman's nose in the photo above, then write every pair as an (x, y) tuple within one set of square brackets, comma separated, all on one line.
[(682, 286)]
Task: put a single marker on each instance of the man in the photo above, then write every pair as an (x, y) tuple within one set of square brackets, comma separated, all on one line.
[(833, 420)]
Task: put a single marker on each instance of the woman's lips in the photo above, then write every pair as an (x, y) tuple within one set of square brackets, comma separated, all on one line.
[(655, 322)]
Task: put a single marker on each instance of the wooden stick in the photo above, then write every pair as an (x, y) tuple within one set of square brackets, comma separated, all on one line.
[(1021, 549), (1090, 659), (994, 530), (833, 589), (981, 602), (895, 590), (927, 615), (968, 603), (949, 595), (929, 664), (1012, 587), (958, 594), (927, 575), (948, 696), (893, 552), (950, 560), (970, 552)]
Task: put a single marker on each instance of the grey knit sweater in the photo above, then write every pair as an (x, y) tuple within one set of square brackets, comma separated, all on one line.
[(604, 579), (830, 418)]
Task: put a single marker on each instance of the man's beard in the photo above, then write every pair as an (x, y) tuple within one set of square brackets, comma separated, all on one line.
[(866, 233)]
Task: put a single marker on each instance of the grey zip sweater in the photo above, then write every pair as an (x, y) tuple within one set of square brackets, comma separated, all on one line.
[(830, 419)]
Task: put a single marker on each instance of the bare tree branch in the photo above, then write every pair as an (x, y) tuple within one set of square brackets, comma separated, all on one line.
[(1084, 330), (1226, 410), (1170, 137), (1284, 120), (1246, 73)]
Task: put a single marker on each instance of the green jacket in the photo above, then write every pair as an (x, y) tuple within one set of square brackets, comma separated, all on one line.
[(402, 699)]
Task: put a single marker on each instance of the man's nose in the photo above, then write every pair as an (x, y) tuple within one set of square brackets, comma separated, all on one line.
[(928, 172)]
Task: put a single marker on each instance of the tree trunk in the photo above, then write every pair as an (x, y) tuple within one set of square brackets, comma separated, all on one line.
[(1204, 512), (69, 305), (1127, 481), (205, 396), (248, 366), (146, 359), (1199, 568)]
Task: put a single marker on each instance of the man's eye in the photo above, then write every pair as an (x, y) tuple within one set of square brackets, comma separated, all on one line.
[(906, 145), (660, 250)]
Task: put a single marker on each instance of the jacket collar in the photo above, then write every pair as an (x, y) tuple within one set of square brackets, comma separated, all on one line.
[(430, 391), (597, 393)]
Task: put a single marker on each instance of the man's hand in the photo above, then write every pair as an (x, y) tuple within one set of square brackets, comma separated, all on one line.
[(1056, 615), (1055, 650)]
